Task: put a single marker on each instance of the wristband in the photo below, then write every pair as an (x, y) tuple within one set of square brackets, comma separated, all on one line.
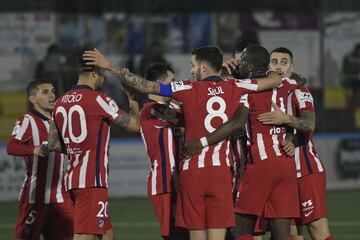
[(204, 142), (165, 90)]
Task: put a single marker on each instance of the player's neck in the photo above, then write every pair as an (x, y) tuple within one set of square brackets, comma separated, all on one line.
[(43, 112), (157, 98), (86, 81), (209, 74)]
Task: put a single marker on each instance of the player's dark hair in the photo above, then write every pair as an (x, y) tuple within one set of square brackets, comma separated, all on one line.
[(31, 88), (258, 56), (246, 39), (210, 54), (283, 50), (83, 67), (157, 71)]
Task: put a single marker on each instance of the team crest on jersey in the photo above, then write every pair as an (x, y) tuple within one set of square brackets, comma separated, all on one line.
[(114, 107), (101, 222)]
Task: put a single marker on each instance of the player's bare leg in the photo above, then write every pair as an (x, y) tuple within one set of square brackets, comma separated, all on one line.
[(85, 237), (244, 226), (319, 229), (280, 228), (197, 234), (216, 234), (109, 235), (257, 237), (297, 231)]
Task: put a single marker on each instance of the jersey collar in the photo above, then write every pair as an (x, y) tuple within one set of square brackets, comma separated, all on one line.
[(36, 113), (213, 78), (82, 87)]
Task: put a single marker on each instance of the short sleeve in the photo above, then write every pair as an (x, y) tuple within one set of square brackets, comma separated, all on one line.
[(22, 129), (245, 86), (107, 107), (181, 90), (304, 99)]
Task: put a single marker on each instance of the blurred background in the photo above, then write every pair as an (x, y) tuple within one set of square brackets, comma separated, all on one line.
[(41, 40)]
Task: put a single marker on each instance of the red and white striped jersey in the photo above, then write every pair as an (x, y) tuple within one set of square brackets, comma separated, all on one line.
[(162, 148), (206, 105), (83, 118), (306, 158), (265, 140), (44, 175)]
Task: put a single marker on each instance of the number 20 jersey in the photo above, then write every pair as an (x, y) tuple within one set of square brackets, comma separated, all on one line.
[(83, 118), (206, 105)]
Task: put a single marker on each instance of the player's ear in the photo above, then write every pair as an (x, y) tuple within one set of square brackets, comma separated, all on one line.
[(32, 99), (94, 74)]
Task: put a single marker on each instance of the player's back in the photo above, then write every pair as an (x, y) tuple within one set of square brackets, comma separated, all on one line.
[(265, 140), (206, 105), (82, 116)]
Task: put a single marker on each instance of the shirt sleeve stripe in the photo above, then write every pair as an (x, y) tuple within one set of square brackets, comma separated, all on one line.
[(106, 107)]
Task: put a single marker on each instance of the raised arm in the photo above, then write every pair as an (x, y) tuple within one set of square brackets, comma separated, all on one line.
[(54, 143), (224, 131), (95, 58), (129, 121)]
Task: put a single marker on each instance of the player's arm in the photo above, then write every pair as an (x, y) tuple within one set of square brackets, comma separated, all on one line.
[(304, 123), (54, 142), (129, 121), (237, 122), (272, 80), (95, 58)]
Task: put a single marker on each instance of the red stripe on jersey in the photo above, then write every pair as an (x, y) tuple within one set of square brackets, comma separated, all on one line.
[(43, 182), (306, 158)]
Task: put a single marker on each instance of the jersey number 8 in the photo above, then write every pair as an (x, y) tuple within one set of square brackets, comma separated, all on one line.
[(212, 113)]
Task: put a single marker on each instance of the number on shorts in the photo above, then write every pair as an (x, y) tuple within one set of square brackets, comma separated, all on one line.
[(214, 112), (103, 209), (31, 217), (68, 121)]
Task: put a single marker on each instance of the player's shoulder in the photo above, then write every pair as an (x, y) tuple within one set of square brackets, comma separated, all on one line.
[(182, 85), (288, 81), (303, 94)]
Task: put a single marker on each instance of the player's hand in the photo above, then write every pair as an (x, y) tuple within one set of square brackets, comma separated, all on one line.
[(95, 58), (191, 148), (41, 150), (230, 64), (277, 117), (131, 93), (288, 147)]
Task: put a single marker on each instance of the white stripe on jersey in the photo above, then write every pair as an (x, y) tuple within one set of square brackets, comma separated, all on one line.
[(273, 98), (317, 160), (216, 156), (171, 151), (106, 107), (186, 164), (36, 140), (82, 175), (106, 158), (59, 196), (244, 100), (201, 161), (276, 145), (227, 153), (23, 128), (47, 125), (291, 81), (297, 162), (246, 83), (261, 146), (153, 178), (49, 176)]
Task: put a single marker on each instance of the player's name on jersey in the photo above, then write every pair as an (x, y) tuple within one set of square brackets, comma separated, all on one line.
[(71, 98), (215, 91)]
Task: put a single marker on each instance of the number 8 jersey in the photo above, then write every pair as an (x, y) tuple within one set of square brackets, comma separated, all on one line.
[(82, 117), (206, 105)]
